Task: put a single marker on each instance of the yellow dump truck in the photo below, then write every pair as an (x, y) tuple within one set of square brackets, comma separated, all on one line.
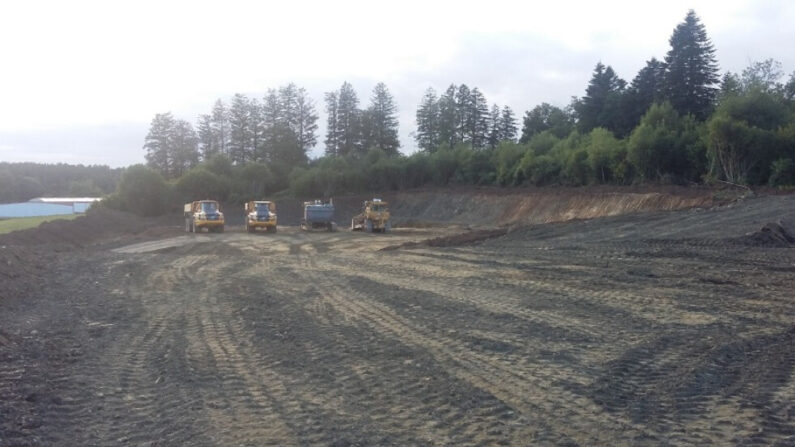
[(204, 214), (260, 214), (374, 217)]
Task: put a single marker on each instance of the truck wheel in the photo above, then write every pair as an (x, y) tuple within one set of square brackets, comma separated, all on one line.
[(187, 225), (272, 229), (387, 227), (193, 228), (368, 226), (329, 227)]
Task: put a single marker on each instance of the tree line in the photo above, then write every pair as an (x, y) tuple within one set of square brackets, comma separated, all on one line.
[(20, 182), (676, 121), (278, 130)]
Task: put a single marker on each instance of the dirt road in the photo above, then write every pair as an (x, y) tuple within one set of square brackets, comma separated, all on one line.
[(669, 328)]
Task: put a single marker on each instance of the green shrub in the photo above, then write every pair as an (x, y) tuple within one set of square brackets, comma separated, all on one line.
[(143, 191), (200, 184), (542, 143), (576, 170), (253, 181), (506, 159), (782, 172), (605, 153)]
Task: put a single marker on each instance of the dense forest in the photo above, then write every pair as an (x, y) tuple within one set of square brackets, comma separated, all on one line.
[(677, 121)]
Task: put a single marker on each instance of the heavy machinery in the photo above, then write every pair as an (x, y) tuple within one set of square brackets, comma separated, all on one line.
[(374, 217), (318, 214), (204, 214), (260, 214)]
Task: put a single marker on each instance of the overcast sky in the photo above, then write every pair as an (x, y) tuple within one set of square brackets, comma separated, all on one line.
[(81, 81)]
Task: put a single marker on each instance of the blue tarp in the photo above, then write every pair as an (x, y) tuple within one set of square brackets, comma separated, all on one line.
[(33, 209)]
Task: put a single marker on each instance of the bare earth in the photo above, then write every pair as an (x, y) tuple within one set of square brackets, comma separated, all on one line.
[(666, 328)]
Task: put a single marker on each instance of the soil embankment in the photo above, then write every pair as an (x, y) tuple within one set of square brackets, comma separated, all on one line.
[(489, 206)]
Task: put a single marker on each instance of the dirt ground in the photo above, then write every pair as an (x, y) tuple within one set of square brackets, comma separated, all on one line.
[(653, 328)]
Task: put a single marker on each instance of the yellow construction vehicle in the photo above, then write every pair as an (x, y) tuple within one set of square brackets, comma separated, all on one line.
[(260, 214), (374, 217), (204, 214)]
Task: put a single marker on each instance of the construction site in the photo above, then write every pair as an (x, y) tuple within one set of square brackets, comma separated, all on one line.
[(483, 317)]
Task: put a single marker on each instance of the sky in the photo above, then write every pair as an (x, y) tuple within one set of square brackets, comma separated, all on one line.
[(80, 81)]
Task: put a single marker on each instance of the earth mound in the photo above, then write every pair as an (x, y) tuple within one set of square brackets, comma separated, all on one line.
[(772, 234)]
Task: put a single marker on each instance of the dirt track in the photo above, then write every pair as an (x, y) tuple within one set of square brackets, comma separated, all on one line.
[(670, 328)]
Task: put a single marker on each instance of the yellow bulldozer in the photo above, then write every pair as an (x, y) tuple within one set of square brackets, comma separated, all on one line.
[(374, 217), (204, 214), (260, 214)]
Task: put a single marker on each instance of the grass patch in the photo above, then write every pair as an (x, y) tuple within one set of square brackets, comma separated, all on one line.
[(23, 223)]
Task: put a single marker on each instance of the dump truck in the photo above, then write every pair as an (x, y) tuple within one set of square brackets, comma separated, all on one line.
[(374, 217), (204, 214), (318, 214), (260, 214)]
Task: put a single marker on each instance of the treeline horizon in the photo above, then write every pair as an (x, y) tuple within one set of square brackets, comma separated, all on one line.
[(677, 121)]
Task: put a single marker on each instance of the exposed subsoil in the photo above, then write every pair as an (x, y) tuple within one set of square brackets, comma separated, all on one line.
[(649, 328)]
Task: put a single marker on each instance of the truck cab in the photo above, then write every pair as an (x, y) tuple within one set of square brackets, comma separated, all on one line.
[(204, 214), (260, 214)]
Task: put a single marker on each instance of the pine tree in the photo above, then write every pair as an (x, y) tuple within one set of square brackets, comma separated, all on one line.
[(646, 89), (382, 126), (332, 124), (479, 116), (507, 125), (271, 119), (240, 150), (601, 105), (220, 127), (184, 147), (256, 130), (465, 121), (207, 141), (427, 135), (158, 143), (691, 74), (171, 146), (494, 127), (306, 121), (348, 121), (288, 102), (448, 118)]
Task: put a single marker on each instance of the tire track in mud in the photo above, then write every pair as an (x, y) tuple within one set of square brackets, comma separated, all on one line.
[(241, 397), (115, 380), (655, 302), (147, 402), (645, 375), (647, 371), (504, 379), (363, 392), (302, 339)]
